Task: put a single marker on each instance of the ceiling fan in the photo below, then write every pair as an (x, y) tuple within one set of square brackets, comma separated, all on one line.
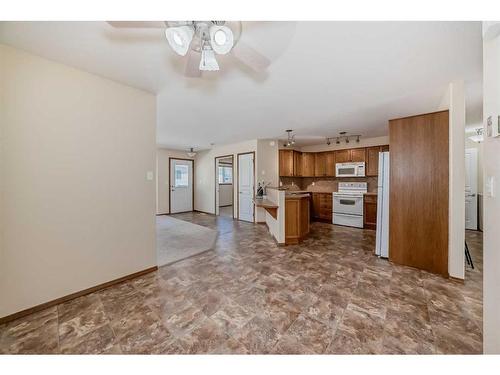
[(202, 40)]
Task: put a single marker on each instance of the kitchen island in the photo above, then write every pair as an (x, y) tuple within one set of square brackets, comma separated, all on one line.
[(287, 215), (297, 217)]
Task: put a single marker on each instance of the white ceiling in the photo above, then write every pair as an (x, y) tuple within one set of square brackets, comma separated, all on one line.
[(325, 77)]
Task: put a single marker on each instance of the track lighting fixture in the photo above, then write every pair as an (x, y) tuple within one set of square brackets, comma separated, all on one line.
[(291, 138), (345, 137)]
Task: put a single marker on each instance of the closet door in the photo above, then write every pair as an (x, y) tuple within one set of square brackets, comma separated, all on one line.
[(418, 203)]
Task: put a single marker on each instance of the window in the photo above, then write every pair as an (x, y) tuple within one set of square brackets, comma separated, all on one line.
[(225, 174), (181, 175)]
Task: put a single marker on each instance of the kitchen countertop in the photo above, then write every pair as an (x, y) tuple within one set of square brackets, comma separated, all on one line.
[(265, 203)]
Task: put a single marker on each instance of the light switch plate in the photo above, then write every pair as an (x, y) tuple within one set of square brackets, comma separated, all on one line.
[(149, 175)]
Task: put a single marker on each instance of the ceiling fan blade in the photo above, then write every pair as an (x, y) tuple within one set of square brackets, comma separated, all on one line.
[(250, 57), (192, 64), (138, 24)]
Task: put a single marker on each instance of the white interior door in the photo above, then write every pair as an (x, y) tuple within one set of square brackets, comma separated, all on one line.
[(217, 187), (471, 188), (245, 187), (181, 185)]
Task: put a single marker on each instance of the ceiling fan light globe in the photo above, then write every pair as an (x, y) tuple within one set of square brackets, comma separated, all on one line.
[(221, 39), (180, 38)]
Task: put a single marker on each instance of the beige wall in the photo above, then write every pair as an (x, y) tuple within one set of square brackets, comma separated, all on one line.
[(204, 167), (77, 209), (491, 92), (162, 187)]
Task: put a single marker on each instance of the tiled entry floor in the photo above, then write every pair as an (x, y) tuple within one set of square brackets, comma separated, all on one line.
[(327, 295)]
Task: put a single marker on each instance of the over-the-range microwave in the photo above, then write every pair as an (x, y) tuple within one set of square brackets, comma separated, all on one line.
[(356, 169)]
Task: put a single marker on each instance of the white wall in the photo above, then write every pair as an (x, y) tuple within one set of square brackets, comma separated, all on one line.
[(266, 169), (276, 226), (162, 187), (225, 195), (454, 100), (204, 166), (77, 209), (491, 92)]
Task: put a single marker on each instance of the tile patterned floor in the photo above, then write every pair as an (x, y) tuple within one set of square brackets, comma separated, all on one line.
[(327, 295)]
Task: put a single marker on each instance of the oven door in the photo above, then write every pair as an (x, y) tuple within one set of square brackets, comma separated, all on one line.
[(348, 204)]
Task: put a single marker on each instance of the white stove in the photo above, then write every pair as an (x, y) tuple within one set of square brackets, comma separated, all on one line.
[(348, 204)]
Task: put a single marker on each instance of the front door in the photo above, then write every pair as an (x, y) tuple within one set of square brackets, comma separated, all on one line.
[(181, 185), (471, 188), (246, 187)]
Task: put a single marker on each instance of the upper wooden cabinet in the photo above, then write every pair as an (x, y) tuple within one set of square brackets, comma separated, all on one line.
[(350, 155), (320, 164), (297, 163), (286, 163), (358, 154), (330, 163), (342, 156), (290, 163), (308, 164), (372, 159)]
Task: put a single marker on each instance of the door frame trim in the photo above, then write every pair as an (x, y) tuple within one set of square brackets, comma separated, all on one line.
[(238, 186), (476, 213), (217, 181), (170, 186)]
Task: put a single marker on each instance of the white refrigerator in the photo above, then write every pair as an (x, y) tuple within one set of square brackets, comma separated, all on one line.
[(382, 243)]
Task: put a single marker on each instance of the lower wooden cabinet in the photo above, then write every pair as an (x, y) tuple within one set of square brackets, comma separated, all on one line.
[(370, 212), (322, 207), (297, 219)]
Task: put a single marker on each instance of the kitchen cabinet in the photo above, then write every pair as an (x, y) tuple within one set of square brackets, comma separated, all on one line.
[(297, 164), (372, 159), (290, 163), (322, 206), (370, 211), (320, 164), (330, 163), (297, 218), (308, 162), (350, 155), (358, 154), (342, 156), (286, 163)]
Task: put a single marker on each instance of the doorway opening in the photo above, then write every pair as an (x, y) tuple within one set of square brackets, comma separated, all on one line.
[(224, 186), (473, 209)]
